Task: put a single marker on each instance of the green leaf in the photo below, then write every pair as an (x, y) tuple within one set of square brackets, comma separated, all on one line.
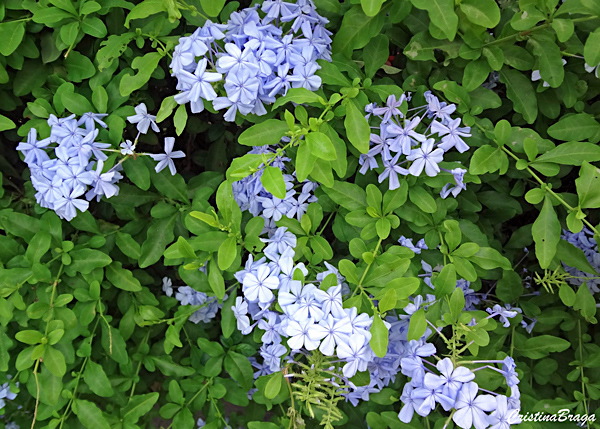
[(29, 337), (591, 50), (239, 368), (485, 160), (180, 119), (100, 99), (457, 303), (137, 171), (445, 282), (489, 258), (128, 245), (567, 294), (159, 235), (273, 386), (139, 406), (580, 126), (520, 92), (550, 61), (379, 336), (6, 124), (79, 67), (227, 253), (564, 29), (272, 180), (441, 13), (320, 146), (170, 186), (166, 108), (122, 278), (347, 195), (86, 260), (268, 132), (321, 247), (76, 103), (38, 246), (422, 199), (574, 257), (145, 9), (212, 7), (356, 31), (376, 52), (476, 72), (417, 325), (585, 302), (588, 186), (331, 75), (11, 34), (215, 279), (546, 234), (112, 48), (393, 199), (571, 153), (145, 66), (298, 96), (96, 379), (228, 319), (94, 26), (485, 13), (89, 414), (540, 346), (510, 287), (357, 128), (371, 7), (54, 360)]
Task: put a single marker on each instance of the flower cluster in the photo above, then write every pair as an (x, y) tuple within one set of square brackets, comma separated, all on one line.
[(311, 317), (420, 144), (251, 195), (259, 57), (68, 167), (585, 241), (189, 296)]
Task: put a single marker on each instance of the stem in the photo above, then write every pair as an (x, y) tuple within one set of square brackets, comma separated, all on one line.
[(581, 369), (137, 372), (37, 396), (359, 285)]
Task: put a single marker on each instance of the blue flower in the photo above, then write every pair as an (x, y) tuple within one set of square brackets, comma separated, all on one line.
[(143, 119), (166, 159), (503, 417), (470, 408)]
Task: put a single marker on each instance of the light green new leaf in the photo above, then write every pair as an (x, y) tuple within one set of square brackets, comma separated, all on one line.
[(357, 128), (571, 153), (54, 360), (6, 124), (417, 325), (379, 336), (546, 234), (298, 96), (272, 180), (215, 279), (227, 253), (489, 258), (268, 132), (371, 7), (457, 303), (273, 386), (320, 146)]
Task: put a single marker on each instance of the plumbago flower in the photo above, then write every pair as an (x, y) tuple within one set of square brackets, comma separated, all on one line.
[(260, 53), (415, 143), (70, 167)]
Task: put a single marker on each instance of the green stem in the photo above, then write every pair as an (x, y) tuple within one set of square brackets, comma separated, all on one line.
[(581, 369), (359, 285)]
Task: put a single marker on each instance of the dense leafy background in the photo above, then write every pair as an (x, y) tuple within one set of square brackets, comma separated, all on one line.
[(86, 296)]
